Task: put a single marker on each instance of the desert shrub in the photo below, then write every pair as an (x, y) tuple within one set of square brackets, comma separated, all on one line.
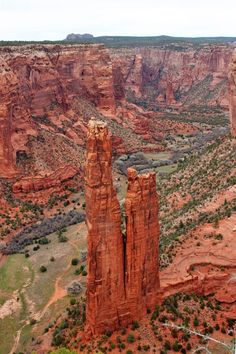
[(196, 321), (62, 238), (135, 325), (167, 345), (73, 301), (176, 346), (44, 241), (74, 261), (130, 338), (188, 346), (43, 269)]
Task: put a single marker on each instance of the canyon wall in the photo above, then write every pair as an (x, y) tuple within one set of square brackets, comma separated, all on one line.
[(49, 92), (232, 90), (36, 80), (175, 76), (123, 274)]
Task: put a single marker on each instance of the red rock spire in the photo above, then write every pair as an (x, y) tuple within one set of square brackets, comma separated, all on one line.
[(142, 239), (123, 277), (105, 284)]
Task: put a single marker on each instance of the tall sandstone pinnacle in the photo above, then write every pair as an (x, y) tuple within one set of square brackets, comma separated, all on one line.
[(105, 284), (123, 273), (232, 90), (142, 228)]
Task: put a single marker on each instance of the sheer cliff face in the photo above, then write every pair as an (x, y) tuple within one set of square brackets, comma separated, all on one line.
[(232, 90), (123, 276), (176, 77), (105, 284), (34, 80)]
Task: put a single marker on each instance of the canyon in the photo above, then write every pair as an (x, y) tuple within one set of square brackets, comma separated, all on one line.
[(138, 136), (49, 92), (123, 276)]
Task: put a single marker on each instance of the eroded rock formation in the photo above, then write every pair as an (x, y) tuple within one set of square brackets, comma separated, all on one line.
[(142, 231), (175, 75), (49, 92), (37, 80), (232, 88), (123, 275), (26, 185), (105, 284)]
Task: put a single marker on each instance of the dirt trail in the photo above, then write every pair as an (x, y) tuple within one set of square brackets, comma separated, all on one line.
[(58, 294), (16, 342)]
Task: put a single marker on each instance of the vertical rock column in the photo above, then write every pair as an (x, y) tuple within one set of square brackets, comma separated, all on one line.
[(105, 283), (142, 239), (232, 91)]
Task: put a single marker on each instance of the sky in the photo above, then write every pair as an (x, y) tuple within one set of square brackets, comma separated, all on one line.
[(54, 19)]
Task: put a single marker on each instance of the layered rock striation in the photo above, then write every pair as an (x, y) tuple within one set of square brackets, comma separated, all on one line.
[(123, 274), (232, 90)]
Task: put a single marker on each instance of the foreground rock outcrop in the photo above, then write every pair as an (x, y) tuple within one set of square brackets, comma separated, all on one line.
[(123, 275), (232, 88)]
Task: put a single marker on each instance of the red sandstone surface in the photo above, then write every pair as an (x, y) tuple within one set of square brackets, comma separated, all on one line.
[(37, 79), (232, 89), (197, 266), (35, 184), (176, 77), (105, 283), (142, 242), (123, 276), (43, 121)]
